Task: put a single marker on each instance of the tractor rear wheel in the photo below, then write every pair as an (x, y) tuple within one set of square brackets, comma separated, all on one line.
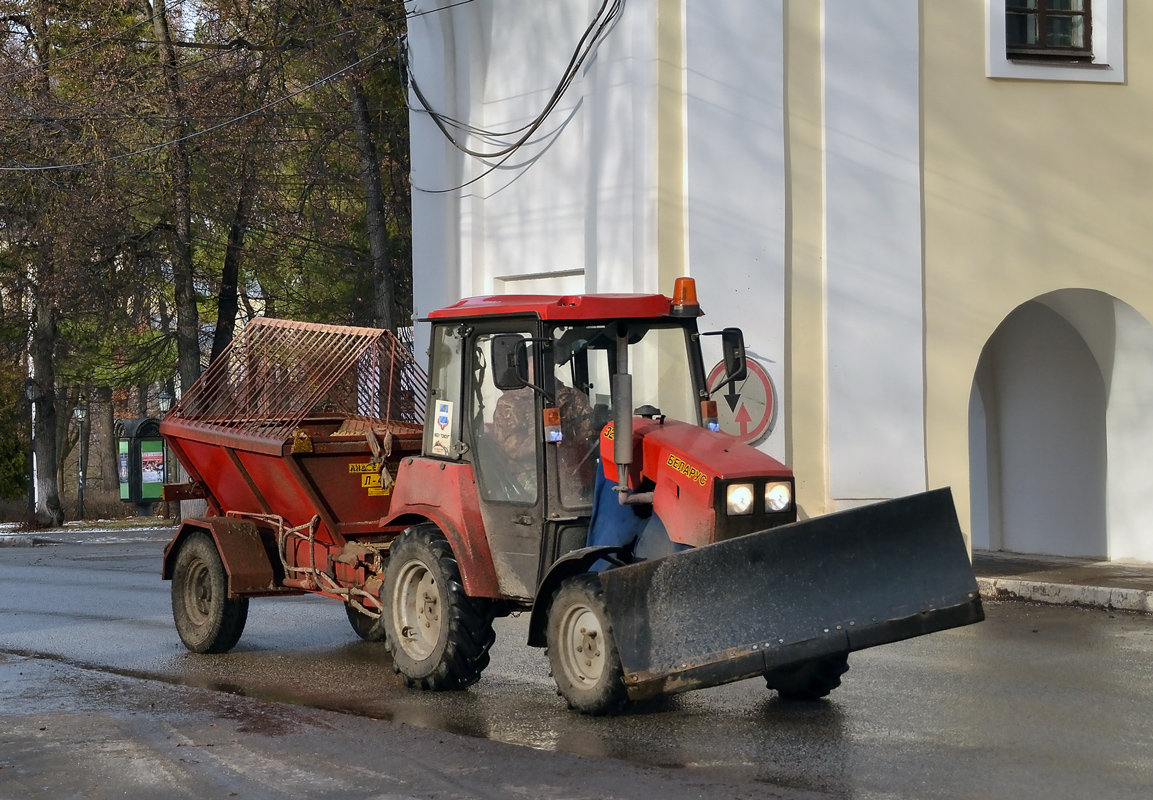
[(581, 651), (371, 629), (207, 620), (439, 637), (809, 680)]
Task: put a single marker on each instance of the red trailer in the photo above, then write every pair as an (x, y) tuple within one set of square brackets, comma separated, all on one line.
[(294, 437), (655, 553)]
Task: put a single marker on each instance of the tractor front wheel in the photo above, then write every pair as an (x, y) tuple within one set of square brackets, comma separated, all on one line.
[(581, 651), (439, 637), (207, 620), (809, 680)]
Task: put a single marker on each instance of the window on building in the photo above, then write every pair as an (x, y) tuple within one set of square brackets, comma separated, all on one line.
[(1049, 29)]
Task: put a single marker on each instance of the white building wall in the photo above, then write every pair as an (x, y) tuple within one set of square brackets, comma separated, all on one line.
[(435, 51), (574, 207), (534, 206), (621, 226), (873, 249), (734, 61), (578, 204)]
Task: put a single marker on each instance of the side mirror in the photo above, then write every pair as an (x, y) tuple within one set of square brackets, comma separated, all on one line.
[(509, 361), (733, 345)]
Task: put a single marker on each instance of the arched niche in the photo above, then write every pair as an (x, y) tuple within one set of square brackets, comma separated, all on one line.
[(1061, 430)]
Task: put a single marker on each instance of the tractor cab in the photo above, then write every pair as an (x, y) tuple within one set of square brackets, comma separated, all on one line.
[(521, 388)]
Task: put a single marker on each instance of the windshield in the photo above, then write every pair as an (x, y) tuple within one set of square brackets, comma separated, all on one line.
[(585, 358), (659, 355)]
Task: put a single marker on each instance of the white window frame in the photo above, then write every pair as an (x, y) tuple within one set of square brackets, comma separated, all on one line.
[(1108, 65)]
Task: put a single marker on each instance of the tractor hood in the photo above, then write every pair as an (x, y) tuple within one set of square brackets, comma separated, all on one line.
[(689, 469)]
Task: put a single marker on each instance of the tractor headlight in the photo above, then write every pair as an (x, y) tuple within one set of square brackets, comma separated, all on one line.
[(778, 496), (739, 499)]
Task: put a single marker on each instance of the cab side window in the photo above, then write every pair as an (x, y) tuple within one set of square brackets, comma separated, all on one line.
[(505, 433), (442, 426)]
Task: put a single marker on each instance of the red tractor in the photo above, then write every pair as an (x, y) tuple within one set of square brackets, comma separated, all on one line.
[(561, 457)]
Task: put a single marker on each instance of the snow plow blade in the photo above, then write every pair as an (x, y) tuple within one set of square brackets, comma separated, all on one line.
[(843, 582)]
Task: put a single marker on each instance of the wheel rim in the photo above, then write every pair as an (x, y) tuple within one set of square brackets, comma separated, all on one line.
[(582, 642), (416, 610), (198, 593)]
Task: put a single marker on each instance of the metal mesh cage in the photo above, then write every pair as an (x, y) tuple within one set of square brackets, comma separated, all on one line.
[(276, 373)]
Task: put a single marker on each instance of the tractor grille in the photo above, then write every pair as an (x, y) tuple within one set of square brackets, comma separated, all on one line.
[(276, 373)]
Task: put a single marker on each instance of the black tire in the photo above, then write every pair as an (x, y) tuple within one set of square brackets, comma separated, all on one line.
[(439, 637), (371, 629), (207, 620), (809, 680), (581, 651)]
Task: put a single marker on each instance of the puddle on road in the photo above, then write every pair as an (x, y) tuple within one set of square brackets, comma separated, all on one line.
[(767, 740)]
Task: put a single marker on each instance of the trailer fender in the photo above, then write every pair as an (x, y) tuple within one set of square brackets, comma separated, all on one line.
[(574, 563), (247, 555)]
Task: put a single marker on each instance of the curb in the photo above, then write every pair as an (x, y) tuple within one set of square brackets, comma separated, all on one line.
[(1066, 594)]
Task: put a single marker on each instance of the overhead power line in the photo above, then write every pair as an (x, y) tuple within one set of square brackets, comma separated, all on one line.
[(608, 13), (435, 10)]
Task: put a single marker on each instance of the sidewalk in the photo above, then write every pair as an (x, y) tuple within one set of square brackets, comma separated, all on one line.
[(1127, 586)]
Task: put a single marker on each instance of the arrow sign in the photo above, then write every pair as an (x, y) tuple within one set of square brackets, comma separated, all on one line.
[(743, 419), (750, 410), (732, 398)]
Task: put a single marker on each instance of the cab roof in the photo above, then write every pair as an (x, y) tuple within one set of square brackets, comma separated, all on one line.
[(560, 307)]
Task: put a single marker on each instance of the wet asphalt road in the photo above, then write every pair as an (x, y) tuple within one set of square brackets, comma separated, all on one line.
[(1035, 702)]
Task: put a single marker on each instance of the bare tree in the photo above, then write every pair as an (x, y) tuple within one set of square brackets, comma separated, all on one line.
[(180, 196)]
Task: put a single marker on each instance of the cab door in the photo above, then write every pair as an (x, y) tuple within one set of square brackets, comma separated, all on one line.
[(507, 452)]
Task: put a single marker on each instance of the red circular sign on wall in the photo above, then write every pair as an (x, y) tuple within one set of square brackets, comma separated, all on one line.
[(746, 409)]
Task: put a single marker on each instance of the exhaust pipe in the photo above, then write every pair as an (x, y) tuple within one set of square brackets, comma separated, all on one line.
[(622, 396)]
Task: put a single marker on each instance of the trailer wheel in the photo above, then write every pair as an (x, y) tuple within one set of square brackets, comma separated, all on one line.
[(584, 659), (439, 637), (809, 680), (207, 620), (371, 629)]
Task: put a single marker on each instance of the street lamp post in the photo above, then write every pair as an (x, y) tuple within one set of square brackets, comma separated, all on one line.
[(165, 401), (80, 412)]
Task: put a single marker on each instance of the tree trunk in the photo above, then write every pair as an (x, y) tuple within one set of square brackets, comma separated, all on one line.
[(230, 276), (44, 334), (48, 509), (65, 402), (383, 288), (104, 425), (180, 237)]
